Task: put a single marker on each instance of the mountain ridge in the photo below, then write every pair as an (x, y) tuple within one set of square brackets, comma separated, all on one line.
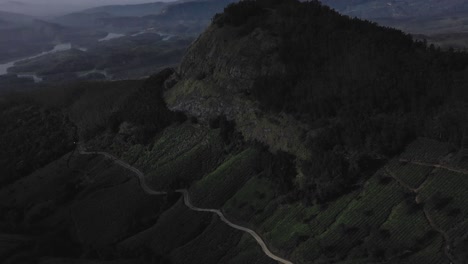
[(398, 9), (428, 17)]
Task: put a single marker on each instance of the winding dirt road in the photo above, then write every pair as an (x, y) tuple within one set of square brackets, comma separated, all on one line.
[(435, 166), (188, 203)]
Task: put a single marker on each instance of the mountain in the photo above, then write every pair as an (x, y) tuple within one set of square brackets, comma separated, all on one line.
[(81, 19), (130, 10), (191, 10), (398, 9), (23, 35), (90, 17), (421, 16), (15, 18), (181, 17), (289, 133), (42, 9)]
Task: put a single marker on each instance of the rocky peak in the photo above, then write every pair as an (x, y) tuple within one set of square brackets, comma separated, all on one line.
[(218, 73)]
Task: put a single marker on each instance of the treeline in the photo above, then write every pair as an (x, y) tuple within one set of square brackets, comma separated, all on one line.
[(42, 125), (371, 89), (99, 106)]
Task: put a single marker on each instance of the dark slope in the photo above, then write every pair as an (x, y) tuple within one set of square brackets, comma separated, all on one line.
[(32, 136)]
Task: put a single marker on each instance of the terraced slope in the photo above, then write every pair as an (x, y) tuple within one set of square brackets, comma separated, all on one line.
[(407, 212)]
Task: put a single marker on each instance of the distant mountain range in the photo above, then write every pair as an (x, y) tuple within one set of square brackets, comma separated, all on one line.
[(10, 17), (415, 16), (398, 8), (181, 17), (129, 10), (23, 35), (47, 8)]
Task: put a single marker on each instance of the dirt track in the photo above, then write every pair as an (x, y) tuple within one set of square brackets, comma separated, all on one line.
[(188, 203)]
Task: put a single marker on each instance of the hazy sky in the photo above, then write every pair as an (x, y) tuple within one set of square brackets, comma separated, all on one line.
[(57, 7)]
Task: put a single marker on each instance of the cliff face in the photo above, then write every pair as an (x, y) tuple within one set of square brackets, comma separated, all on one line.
[(230, 60), (216, 78)]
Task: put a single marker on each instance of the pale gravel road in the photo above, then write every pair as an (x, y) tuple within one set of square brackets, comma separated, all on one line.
[(188, 203)]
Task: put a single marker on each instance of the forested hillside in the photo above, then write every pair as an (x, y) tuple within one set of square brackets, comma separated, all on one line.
[(370, 89)]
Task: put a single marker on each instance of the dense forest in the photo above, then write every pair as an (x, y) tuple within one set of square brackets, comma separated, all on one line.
[(32, 136), (373, 89), (42, 125)]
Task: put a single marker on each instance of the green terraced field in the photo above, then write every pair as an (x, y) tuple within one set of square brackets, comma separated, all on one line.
[(181, 154), (445, 196), (213, 190), (411, 174), (380, 222), (251, 201)]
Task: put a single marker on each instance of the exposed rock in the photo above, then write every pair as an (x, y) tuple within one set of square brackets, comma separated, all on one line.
[(216, 77)]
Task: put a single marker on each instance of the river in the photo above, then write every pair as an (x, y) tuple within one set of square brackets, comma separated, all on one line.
[(165, 36), (112, 36), (5, 66)]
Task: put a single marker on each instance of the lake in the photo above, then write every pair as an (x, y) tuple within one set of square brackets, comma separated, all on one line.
[(112, 36)]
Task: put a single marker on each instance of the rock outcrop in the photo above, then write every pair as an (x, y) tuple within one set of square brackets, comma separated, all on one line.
[(216, 78)]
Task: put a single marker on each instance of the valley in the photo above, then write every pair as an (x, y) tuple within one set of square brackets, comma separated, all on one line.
[(118, 58)]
